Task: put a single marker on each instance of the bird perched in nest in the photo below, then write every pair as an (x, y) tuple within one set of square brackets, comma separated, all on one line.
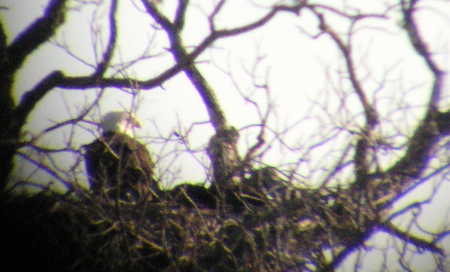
[(117, 164)]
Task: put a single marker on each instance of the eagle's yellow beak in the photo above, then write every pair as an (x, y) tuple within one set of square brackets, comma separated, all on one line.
[(136, 123)]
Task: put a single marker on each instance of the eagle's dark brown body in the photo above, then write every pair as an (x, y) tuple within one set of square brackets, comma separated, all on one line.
[(120, 166)]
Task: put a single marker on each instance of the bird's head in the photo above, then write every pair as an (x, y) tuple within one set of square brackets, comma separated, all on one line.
[(119, 122)]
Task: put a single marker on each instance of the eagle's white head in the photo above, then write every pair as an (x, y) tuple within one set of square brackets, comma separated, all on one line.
[(120, 122)]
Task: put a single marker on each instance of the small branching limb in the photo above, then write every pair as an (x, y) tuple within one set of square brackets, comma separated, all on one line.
[(416, 241), (47, 169), (346, 50), (340, 164), (184, 60), (70, 122), (251, 152), (216, 10), (261, 139), (371, 115)]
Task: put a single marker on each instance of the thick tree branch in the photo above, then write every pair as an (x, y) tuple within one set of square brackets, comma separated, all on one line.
[(160, 18), (422, 49), (433, 126), (416, 241), (10, 135), (2, 45), (181, 55), (222, 148), (180, 15), (107, 55), (11, 59), (35, 35), (87, 82), (32, 97)]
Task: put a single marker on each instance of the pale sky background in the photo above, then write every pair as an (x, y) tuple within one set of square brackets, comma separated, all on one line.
[(294, 67)]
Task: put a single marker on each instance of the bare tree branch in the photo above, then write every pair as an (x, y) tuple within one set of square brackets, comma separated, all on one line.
[(422, 49), (35, 35), (107, 55), (416, 241)]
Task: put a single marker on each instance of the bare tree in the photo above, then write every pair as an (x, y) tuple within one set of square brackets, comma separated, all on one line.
[(344, 193)]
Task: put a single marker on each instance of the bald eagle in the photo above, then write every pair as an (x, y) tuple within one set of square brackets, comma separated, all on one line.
[(119, 166)]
